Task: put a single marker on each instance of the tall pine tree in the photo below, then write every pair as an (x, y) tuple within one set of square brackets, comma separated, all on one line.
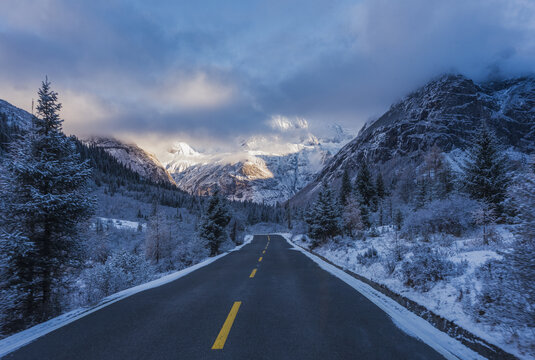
[(345, 189), (213, 224), (380, 186), (323, 217), (44, 199), (364, 185), (485, 171)]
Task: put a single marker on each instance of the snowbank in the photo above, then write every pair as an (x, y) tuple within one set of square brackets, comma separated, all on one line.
[(403, 318), (24, 337)]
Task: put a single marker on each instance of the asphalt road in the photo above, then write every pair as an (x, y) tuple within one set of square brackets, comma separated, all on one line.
[(289, 309)]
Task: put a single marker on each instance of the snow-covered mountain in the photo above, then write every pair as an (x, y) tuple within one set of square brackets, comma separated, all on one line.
[(137, 159), (446, 112), (14, 115), (267, 169)]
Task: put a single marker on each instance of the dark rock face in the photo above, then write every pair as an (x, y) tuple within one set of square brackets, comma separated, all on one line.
[(446, 112)]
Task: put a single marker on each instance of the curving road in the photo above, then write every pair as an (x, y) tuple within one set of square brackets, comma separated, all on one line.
[(288, 308)]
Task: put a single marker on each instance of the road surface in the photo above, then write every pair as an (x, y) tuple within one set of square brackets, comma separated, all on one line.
[(265, 301)]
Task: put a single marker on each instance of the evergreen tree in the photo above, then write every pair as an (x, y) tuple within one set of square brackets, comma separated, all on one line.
[(324, 217), (485, 172), (234, 231), (288, 212), (446, 181), (398, 220), (345, 189), (364, 211), (364, 185), (158, 237), (380, 186), (213, 224), (44, 198), (421, 194)]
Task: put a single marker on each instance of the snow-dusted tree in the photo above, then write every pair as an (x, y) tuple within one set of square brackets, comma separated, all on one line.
[(345, 189), (380, 186), (445, 181), (234, 231), (212, 226), (364, 185), (324, 217), (158, 237), (363, 209), (485, 171), (422, 195), (45, 197), (288, 213), (485, 215), (521, 261), (351, 217)]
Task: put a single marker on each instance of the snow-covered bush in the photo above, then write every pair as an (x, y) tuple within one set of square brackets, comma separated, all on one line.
[(368, 257), (427, 266), (452, 215), (395, 252), (121, 271), (190, 252)]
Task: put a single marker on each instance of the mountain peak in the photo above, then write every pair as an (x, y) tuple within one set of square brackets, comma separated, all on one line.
[(283, 123), (445, 112), (183, 149)]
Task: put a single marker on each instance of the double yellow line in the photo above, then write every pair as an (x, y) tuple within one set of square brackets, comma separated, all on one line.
[(219, 342)]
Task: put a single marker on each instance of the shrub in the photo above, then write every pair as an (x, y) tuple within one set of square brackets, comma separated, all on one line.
[(368, 257), (427, 266), (452, 215), (121, 271)]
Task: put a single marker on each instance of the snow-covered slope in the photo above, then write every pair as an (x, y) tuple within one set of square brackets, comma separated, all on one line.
[(446, 112), (14, 115), (267, 169), (137, 159)]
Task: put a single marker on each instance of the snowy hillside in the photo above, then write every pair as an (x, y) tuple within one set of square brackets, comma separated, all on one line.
[(445, 112), (266, 169), (14, 115), (137, 159)]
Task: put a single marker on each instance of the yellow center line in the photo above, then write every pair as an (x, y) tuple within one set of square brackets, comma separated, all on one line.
[(263, 252), (260, 259), (223, 334), (253, 273)]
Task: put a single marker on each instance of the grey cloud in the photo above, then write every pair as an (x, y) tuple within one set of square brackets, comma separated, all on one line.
[(328, 61)]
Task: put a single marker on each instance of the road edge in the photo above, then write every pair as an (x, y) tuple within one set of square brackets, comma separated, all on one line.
[(404, 317), (24, 337)]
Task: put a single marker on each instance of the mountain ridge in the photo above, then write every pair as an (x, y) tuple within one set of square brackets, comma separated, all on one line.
[(266, 169), (445, 112)]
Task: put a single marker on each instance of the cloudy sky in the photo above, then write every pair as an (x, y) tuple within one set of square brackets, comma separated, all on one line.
[(211, 71)]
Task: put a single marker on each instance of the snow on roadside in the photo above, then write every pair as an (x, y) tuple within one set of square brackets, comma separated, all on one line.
[(446, 298), (407, 321), (24, 337)]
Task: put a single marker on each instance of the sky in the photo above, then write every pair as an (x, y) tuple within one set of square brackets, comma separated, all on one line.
[(211, 72)]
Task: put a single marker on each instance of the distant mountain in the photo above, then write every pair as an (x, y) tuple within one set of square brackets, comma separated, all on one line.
[(266, 169), (446, 112), (133, 157)]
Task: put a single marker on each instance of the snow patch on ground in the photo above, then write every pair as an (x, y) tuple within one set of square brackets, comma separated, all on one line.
[(122, 224)]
